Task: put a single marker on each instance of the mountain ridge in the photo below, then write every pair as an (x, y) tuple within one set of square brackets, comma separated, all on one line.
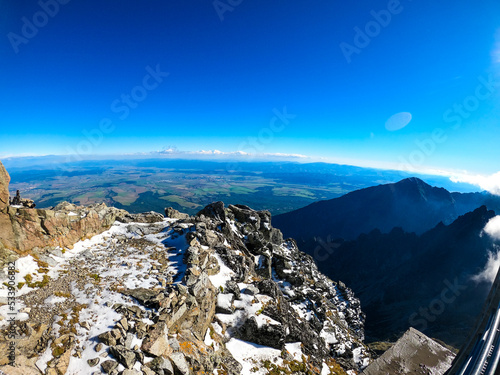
[(410, 204)]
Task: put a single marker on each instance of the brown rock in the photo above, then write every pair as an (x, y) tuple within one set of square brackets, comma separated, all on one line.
[(413, 353), (156, 343), (24, 229), (63, 362), (107, 338), (4, 187)]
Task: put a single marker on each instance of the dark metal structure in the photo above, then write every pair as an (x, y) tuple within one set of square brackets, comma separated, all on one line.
[(480, 355)]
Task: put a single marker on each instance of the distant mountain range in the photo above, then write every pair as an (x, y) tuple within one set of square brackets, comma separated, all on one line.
[(411, 204), (408, 250)]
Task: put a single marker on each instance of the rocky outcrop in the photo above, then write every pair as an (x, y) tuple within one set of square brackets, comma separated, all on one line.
[(23, 202), (197, 295), (23, 230), (172, 213), (413, 353), (4, 187)]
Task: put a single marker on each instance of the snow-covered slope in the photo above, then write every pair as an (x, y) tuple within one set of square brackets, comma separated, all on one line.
[(217, 293)]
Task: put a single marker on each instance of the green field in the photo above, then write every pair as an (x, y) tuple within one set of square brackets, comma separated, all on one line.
[(188, 186)]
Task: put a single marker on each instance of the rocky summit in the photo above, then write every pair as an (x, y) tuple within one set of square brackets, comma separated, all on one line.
[(220, 292)]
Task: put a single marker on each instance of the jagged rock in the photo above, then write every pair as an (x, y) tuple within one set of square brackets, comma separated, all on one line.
[(231, 365), (174, 214), (174, 344), (147, 371), (413, 353), (125, 356), (268, 334), (180, 364), (145, 296), (131, 372), (232, 287), (109, 365), (62, 362), (129, 338), (93, 362), (264, 266), (63, 226), (215, 211), (270, 288), (144, 217), (4, 187), (251, 290), (161, 364), (107, 338), (156, 342), (180, 329)]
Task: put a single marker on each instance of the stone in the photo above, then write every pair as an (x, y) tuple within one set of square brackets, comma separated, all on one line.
[(147, 371), (4, 187), (63, 362), (145, 296), (174, 344), (128, 340), (125, 356), (251, 290), (25, 230), (413, 353), (124, 323), (269, 288), (272, 335), (231, 365), (98, 347), (174, 214), (93, 362), (180, 364), (107, 338), (215, 211), (156, 342), (144, 217), (232, 287), (163, 364), (131, 372), (109, 365), (263, 268)]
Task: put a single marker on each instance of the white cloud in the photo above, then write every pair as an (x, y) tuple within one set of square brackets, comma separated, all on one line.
[(488, 274), (489, 183), (171, 151), (490, 270), (492, 228)]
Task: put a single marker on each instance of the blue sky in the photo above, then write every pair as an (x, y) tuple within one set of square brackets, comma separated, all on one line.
[(320, 79)]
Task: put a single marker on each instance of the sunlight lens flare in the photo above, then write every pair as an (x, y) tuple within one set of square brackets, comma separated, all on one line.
[(398, 121)]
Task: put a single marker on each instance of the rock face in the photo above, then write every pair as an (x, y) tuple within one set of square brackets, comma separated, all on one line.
[(218, 292), (23, 230), (4, 187), (414, 353)]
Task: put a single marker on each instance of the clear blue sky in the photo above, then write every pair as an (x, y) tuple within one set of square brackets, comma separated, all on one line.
[(231, 68)]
